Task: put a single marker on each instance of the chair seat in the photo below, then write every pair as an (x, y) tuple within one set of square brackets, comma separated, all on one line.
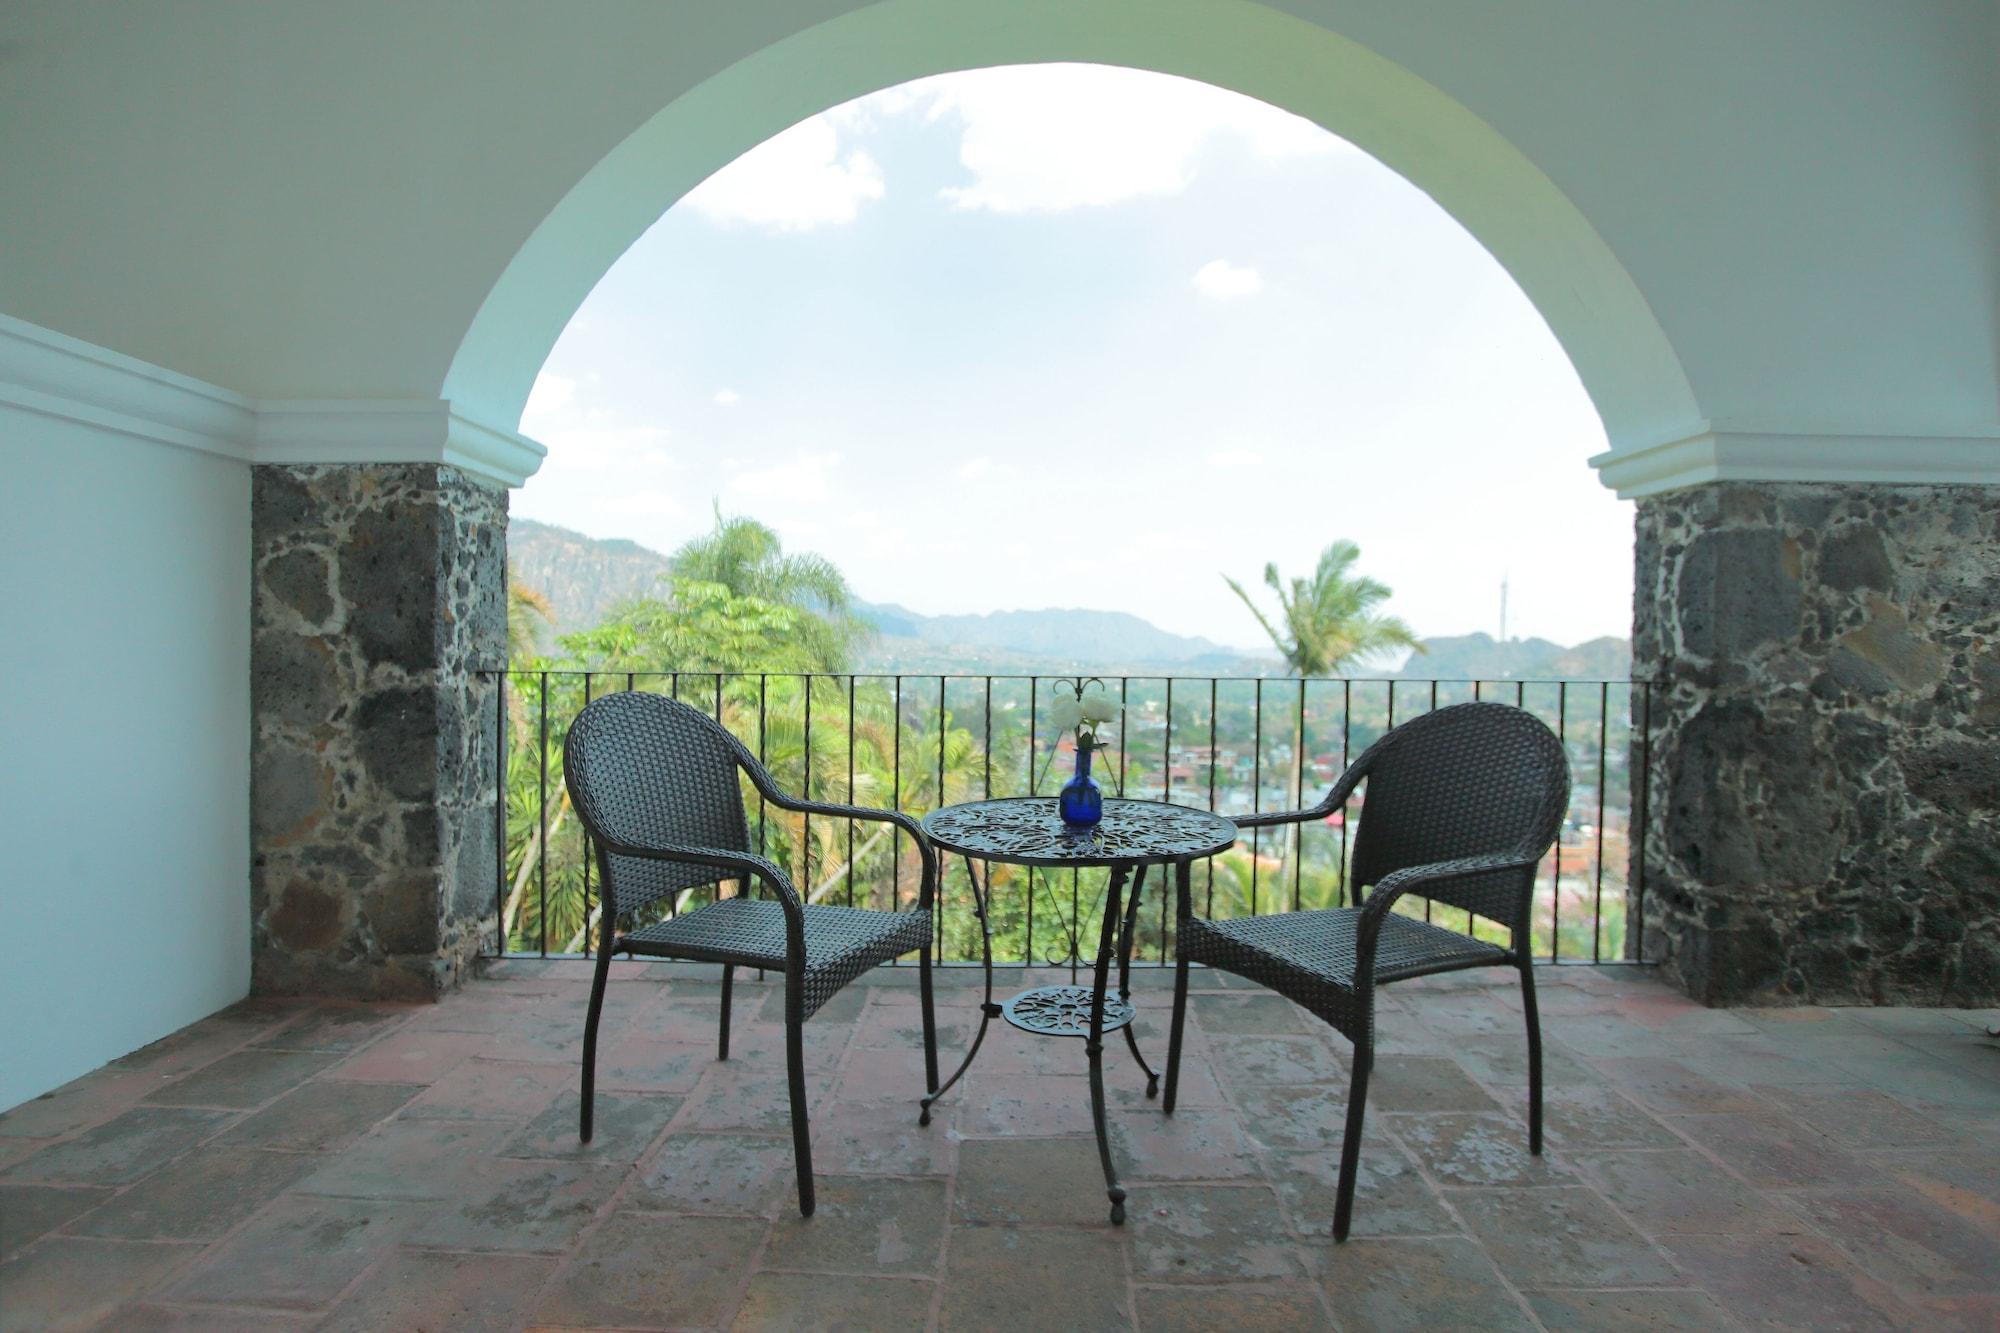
[(841, 942), (1316, 949)]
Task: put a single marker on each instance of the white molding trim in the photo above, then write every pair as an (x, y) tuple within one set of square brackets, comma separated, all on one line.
[(1884, 458), (392, 431), (55, 375)]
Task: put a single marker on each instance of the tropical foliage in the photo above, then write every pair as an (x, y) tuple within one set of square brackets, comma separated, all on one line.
[(760, 639)]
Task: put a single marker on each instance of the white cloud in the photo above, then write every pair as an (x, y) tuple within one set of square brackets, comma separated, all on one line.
[(973, 469), (793, 181), (582, 436), (552, 393), (727, 398), (1235, 456), (1046, 138), (807, 478), (1221, 280)]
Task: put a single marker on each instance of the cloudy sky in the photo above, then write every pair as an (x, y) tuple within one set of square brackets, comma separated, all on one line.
[(1075, 336)]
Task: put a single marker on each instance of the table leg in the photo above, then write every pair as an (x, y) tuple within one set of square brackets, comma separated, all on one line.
[(988, 1011), (1107, 940), (1125, 977)]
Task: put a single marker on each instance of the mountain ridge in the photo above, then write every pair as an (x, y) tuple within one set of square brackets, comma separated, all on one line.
[(585, 577)]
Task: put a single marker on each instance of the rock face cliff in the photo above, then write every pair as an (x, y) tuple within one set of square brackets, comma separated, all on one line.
[(583, 577)]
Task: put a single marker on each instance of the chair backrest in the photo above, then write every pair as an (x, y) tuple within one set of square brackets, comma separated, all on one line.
[(1467, 780), (644, 769)]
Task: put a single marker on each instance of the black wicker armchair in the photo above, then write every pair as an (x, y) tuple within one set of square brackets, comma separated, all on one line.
[(1460, 807), (655, 783)]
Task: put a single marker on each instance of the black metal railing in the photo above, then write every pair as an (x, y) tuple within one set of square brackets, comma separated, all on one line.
[(915, 742)]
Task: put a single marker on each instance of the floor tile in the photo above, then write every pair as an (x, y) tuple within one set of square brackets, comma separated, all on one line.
[(323, 1116), (623, 1125), (1903, 1239), (301, 1254), (863, 1224), (243, 1080), (409, 1159), (339, 1028), (1187, 1145), (1255, 1014), (1042, 1182), (1302, 1117), (28, 1212), (1254, 1061), (806, 1304), (121, 1150), (1424, 1084), (623, 1276), (1418, 1285), (1210, 1232), (79, 1104), (1775, 1152), (490, 1090), (1078, 1281), (1627, 1311), (1560, 1238), (1243, 1309), (531, 1207), (199, 1197), (1680, 1193), (1391, 1197), (699, 1172), (150, 1317), (64, 1283), (1461, 1149), (415, 1292), (1788, 1281), (413, 1055), (1860, 1117)]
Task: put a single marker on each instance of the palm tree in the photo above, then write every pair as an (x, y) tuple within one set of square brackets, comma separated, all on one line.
[(749, 560), (1325, 624), (528, 614)]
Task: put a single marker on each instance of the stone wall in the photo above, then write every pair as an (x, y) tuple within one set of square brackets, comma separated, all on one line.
[(1825, 818), (380, 591)]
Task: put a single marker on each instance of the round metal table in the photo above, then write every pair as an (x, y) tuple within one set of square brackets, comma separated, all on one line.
[(1027, 831)]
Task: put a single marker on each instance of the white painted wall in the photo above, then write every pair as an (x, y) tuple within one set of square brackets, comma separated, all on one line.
[(125, 713)]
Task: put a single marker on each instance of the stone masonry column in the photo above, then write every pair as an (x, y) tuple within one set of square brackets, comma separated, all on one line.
[(380, 592), (1825, 759)]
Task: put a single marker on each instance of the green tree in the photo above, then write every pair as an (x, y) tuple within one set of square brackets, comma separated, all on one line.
[(1325, 624), (528, 615), (748, 559)]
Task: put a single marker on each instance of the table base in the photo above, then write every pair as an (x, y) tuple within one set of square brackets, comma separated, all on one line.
[(1064, 1011)]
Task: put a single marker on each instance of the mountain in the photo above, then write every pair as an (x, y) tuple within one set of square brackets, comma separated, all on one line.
[(1482, 657), (583, 577)]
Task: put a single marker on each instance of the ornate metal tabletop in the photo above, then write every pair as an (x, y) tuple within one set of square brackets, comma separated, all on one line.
[(1027, 831)]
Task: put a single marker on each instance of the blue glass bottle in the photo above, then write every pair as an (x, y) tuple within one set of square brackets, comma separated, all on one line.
[(1081, 800)]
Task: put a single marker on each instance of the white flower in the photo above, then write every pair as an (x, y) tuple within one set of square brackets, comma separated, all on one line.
[(1099, 707), (1066, 714)]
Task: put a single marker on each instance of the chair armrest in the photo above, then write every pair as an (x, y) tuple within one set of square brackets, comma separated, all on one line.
[(928, 886), (745, 863), (1411, 878), (1326, 805)]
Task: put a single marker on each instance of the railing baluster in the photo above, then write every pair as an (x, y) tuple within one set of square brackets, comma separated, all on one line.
[(542, 855), (1597, 891), (500, 813)]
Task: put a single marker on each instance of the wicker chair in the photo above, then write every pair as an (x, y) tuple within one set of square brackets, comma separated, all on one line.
[(655, 783), (1461, 805)]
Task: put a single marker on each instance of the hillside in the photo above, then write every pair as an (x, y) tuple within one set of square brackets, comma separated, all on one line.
[(585, 577), (1482, 657)]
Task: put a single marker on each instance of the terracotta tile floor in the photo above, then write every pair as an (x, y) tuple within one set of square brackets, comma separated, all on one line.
[(287, 1166)]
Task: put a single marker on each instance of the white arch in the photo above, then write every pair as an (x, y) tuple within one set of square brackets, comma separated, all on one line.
[(1595, 309)]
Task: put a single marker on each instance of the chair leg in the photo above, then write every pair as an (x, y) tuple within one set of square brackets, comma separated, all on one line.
[(589, 1091), (795, 1069), (1350, 1143), (728, 983), (1534, 1057), (1174, 1035), (930, 1021)]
